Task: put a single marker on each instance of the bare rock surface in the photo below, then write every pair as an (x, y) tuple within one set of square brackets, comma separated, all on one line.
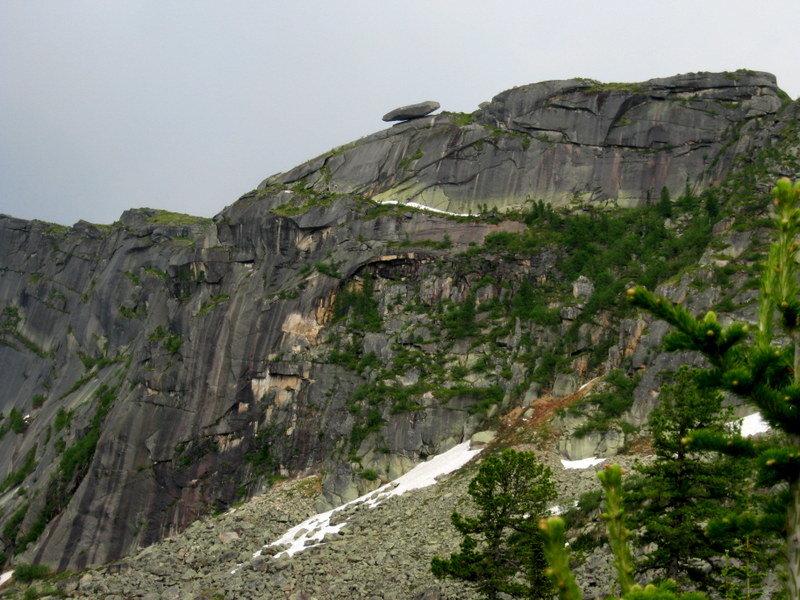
[(559, 141), (412, 111)]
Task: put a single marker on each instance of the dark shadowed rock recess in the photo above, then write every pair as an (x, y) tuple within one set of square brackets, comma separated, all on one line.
[(165, 367)]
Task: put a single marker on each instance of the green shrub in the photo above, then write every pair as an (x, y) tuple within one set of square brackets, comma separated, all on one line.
[(329, 269), (529, 304), (212, 303), (11, 527), (63, 419), (459, 321), (16, 421), (373, 420), (72, 468), (26, 572), (609, 405), (14, 478), (368, 474), (358, 305), (172, 343)]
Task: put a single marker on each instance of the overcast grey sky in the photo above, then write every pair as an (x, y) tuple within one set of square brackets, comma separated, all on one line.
[(186, 105)]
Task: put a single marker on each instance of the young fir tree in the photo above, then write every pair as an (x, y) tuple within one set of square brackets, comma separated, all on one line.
[(683, 489), (501, 552), (555, 549), (764, 372)]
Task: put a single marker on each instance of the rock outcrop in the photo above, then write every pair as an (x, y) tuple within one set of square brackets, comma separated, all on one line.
[(209, 340), (558, 141)]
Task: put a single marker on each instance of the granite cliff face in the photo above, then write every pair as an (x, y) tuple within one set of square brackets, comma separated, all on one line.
[(166, 366), (558, 141)]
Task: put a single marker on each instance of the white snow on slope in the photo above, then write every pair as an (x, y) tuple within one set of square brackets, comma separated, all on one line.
[(5, 577), (423, 207), (312, 531), (588, 383), (753, 424), (584, 463), (560, 509)]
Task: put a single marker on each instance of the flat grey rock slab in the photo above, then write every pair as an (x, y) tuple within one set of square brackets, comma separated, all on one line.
[(412, 111)]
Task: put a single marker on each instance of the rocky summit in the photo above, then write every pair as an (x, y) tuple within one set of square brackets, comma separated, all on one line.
[(361, 313), (558, 141)]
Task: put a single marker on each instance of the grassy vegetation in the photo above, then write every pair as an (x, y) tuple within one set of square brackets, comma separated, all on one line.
[(15, 478), (16, 421), (132, 312), (608, 406), (442, 244), (356, 304), (460, 119), (212, 303), (459, 318), (330, 269), (171, 342), (72, 468), (172, 218), (150, 270), (63, 419), (617, 86), (611, 247), (406, 162), (10, 318), (27, 572), (11, 529)]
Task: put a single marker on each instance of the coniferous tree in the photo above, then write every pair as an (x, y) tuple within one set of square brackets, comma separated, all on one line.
[(682, 489), (765, 373), (664, 205), (501, 552), (555, 549)]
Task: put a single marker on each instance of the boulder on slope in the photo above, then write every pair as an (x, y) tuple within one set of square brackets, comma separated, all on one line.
[(412, 111)]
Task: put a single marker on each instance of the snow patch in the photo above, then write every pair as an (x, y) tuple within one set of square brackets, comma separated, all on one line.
[(312, 532), (560, 509), (584, 463), (752, 425), (423, 207), (5, 577), (588, 383)]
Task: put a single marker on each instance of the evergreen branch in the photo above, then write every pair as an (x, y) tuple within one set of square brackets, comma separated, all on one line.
[(777, 408), (666, 590), (611, 478), (738, 526), (557, 555), (766, 308), (779, 463), (704, 335), (704, 439)]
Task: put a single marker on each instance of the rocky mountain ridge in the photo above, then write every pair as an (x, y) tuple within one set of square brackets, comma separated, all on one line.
[(558, 141), (167, 366)]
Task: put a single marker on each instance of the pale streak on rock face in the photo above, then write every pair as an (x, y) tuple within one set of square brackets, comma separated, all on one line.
[(304, 330), (283, 385)]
